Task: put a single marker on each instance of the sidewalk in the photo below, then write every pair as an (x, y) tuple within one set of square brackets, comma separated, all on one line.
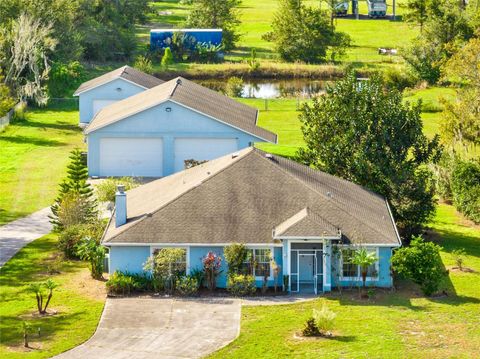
[(16, 234)]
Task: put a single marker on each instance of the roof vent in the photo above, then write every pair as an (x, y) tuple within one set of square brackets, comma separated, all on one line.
[(268, 155), (235, 155), (179, 81), (329, 194)]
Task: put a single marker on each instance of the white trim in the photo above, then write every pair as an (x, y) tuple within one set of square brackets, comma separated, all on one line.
[(356, 245), (302, 239), (394, 225), (359, 278), (119, 77), (272, 251), (266, 245), (187, 254), (315, 240)]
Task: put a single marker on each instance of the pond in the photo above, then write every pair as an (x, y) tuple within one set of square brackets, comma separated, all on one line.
[(268, 88)]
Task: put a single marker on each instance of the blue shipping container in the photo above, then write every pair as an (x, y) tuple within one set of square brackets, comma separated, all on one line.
[(159, 38)]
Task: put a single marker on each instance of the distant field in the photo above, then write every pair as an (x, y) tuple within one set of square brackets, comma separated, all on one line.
[(256, 17)]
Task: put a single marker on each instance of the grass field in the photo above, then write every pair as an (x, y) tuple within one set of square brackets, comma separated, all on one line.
[(400, 324), (78, 302), (34, 157), (256, 17)]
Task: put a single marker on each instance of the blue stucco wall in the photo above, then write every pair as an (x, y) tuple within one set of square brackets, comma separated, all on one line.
[(384, 278), (107, 91), (128, 259), (131, 259), (180, 122)]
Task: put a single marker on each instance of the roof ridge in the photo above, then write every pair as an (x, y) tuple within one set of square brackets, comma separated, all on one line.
[(183, 193), (316, 191)]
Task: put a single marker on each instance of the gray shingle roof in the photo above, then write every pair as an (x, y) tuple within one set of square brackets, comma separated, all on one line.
[(188, 94), (243, 198), (306, 224), (126, 72)]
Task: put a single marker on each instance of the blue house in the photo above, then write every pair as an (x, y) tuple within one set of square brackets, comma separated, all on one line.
[(153, 133), (303, 220), (109, 88)]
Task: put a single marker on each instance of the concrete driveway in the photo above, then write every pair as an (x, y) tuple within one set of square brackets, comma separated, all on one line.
[(161, 328)]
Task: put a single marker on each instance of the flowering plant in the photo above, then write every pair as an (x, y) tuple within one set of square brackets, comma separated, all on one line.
[(211, 266)]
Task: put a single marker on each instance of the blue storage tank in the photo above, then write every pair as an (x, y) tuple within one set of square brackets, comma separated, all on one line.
[(159, 37)]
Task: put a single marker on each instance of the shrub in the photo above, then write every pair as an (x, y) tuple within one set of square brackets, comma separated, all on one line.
[(64, 78), (420, 262), (310, 329), (324, 320), (211, 267), (119, 283), (234, 87), (167, 58), (144, 64), (164, 267), (187, 285), (253, 63), (459, 257), (241, 284), (107, 188), (235, 255), (399, 80), (443, 176), (69, 239), (199, 275), (465, 184), (90, 250), (206, 52)]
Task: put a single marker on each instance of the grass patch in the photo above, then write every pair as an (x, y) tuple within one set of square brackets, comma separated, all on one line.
[(78, 301), (395, 324), (34, 158)]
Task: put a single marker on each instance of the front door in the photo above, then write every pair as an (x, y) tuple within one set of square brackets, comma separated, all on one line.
[(307, 272)]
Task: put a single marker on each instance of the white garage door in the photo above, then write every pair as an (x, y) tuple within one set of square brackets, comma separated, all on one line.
[(99, 104), (202, 149), (141, 157)]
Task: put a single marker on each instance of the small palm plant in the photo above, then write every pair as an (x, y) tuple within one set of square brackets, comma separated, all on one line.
[(91, 251), (363, 259), (38, 289)]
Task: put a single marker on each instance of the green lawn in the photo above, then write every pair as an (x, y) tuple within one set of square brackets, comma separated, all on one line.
[(78, 302), (401, 324), (34, 155), (256, 17)]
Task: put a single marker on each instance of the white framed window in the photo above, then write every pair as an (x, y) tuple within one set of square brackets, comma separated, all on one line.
[(181, 266), (352, 271), (258, 263)]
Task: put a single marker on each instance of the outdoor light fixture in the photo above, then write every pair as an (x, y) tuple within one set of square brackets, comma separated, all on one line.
[(168, 109), (119, 89)]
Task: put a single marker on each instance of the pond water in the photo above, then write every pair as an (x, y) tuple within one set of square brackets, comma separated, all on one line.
[(268, 88)]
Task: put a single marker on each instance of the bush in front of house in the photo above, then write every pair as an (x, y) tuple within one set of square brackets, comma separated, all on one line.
[(421, 263), (212, 263), (92, 251), (164, 268), (71, 236), (187, 285), (241, 285), (125, 283)]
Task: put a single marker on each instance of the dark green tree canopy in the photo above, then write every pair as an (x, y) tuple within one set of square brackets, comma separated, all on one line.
[(365, 134), (305, 33), (222, 14)]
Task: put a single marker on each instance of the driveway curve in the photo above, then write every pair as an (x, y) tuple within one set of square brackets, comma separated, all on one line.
[(161, 328)]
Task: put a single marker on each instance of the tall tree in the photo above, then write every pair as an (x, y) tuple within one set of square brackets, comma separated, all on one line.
[(27, 46), (367, 135), (75, 196), (417, 12), (6, 100), (305, 33), (221, 14)]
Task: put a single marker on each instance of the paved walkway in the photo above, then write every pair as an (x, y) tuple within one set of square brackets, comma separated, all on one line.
[(136, 328), (16, 234)]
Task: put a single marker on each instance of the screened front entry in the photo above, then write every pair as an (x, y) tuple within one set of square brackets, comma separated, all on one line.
[(306, 267)]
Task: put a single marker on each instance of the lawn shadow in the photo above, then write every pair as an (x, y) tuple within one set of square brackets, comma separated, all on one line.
[(451, 240), (58, 125), (33, 141)]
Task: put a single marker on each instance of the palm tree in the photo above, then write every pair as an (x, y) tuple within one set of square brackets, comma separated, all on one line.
[(364, 259)]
